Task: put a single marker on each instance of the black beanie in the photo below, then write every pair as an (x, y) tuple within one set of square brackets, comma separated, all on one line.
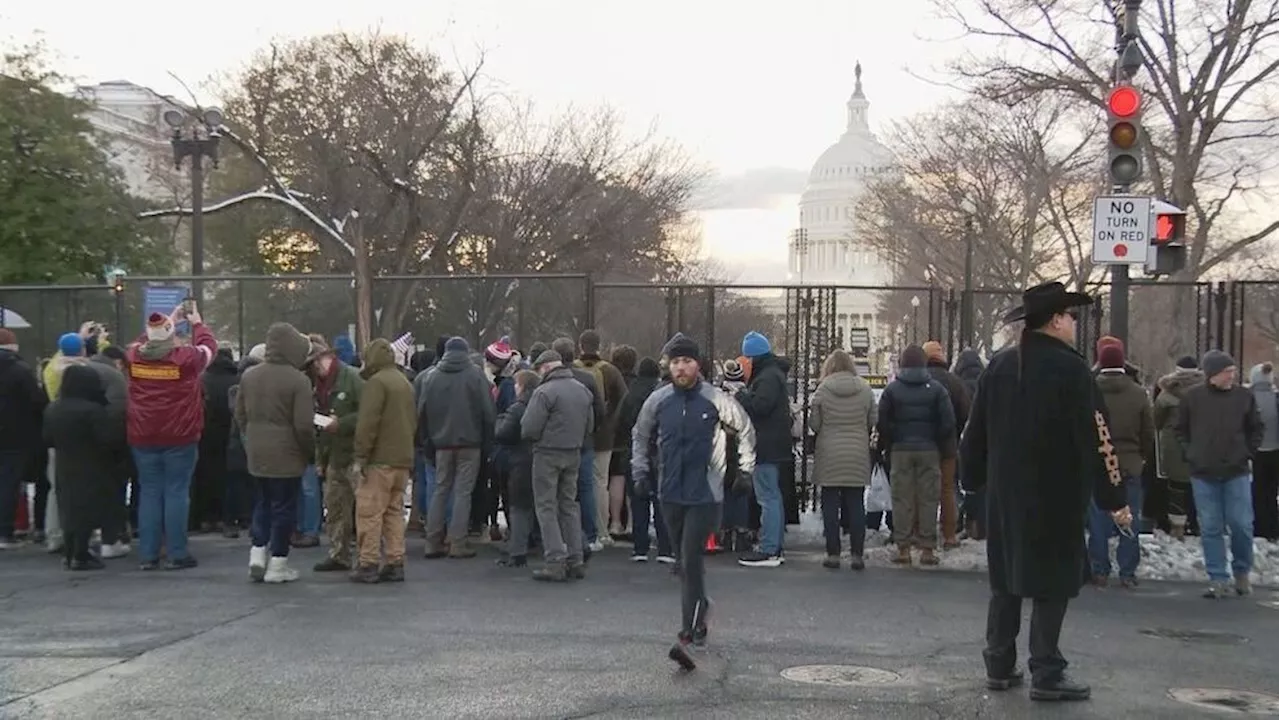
[(913, 356), (1186, 362), (681, 346), (648, 368)]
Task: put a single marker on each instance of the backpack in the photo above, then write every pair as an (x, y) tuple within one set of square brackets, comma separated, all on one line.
[(597, 371)]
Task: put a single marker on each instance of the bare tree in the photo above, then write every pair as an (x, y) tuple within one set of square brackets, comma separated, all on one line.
[(1209, 115), (1027, 189)]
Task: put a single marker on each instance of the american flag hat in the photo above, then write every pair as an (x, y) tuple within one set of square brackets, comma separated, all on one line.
[(403, 347)]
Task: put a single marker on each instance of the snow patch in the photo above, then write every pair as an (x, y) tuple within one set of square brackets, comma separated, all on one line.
[(1164, 557)]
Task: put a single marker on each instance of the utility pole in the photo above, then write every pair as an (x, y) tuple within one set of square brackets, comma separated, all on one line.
[(1128, 61)]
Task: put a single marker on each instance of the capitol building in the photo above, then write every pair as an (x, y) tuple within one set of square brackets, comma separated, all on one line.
[(823, 249)]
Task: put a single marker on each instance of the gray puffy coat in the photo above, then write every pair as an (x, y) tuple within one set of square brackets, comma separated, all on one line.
[(842, 415)]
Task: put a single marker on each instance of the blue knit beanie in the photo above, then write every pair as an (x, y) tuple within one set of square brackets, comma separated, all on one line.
[(344, 349), (71, 345), (754, 345)]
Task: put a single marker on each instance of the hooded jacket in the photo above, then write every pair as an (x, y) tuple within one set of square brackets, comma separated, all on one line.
[(113, 385), (687, 431), (22, 403), (166, 399), (455, 408), (1170, 462), (52, 376), (1264, 395), (915, 414), (518, 453), (1129, 419), (386, 422), (969, 368), (842, 414), (560, 413), (87, 439), (275, 409)]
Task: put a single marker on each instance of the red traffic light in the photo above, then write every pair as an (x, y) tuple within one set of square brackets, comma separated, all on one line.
[(1124, 101)]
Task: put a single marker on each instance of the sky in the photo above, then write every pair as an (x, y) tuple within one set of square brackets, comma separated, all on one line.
[(754, 91)]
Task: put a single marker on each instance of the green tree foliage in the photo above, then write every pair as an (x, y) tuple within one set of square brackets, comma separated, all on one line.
[(65, 212)]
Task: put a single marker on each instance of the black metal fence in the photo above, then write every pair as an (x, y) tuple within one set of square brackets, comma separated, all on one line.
[(1167, 319)]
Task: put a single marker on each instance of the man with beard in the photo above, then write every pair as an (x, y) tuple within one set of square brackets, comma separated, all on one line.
[(687, 426), (1038, 442)]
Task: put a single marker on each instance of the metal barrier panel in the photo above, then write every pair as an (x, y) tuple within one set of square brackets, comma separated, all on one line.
[(1256, 311), (481, 309), (51, 311)]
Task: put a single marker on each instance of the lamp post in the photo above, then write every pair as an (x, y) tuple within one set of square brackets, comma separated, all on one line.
[(915, 319), (197, 143), (966, 298), (800, 241)]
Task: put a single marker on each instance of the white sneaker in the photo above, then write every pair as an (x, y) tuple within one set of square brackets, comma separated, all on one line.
[(115, 550), (278, 571), (257, 563), (667, 559), (596, 546)]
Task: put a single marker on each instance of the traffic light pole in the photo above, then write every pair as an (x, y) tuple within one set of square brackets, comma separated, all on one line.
[(1127, 63)]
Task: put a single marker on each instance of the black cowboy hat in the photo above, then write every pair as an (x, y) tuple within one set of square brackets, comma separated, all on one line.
[(1046, 299)]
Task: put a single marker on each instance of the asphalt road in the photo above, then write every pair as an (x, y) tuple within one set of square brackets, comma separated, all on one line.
[(466, 639)]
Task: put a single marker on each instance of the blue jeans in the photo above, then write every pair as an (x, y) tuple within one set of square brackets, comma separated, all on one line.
[(424, 487), (1102, 527), (1222, 505), (164, 499), (587, 494), (274, 513), (309, 503), (642, 506), (769, 495)]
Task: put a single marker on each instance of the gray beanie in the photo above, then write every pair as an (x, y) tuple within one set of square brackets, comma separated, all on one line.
[(547, 357), (1215, 361)]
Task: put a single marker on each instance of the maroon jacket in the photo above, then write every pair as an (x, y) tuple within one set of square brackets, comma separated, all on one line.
[(166, 398)]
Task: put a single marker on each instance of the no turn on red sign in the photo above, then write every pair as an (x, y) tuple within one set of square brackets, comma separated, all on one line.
[(1121, 229)]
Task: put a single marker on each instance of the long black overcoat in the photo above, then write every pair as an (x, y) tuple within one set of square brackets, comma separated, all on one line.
[(1037, 441)]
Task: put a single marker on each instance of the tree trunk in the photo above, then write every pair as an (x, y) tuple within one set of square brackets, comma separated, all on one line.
[(364, 285)]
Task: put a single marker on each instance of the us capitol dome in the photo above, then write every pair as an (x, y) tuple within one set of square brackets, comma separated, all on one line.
[(824, 248)]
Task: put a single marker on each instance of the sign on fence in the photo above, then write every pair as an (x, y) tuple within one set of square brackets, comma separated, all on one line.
[(161, 299), (1121, 229)]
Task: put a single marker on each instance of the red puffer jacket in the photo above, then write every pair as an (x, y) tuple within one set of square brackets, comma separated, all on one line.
[(166, 399)]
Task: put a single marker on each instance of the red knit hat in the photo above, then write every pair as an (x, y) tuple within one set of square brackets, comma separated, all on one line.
[(1111, 355), (498, 353)]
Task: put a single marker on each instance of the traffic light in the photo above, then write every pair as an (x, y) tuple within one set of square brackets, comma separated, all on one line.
[(1168, 233), (1124, 135)]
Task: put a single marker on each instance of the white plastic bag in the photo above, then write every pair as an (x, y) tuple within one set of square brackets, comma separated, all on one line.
[(878, 498)]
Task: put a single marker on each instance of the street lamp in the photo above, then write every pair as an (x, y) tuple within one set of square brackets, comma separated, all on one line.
[(200, 141), (969, 208), (800, 241), (915, 319)]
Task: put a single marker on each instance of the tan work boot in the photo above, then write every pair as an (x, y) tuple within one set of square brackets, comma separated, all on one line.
[(928, 558), (904, 555)]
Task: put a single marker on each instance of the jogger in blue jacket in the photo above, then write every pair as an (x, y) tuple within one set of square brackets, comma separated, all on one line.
[(683, 424)]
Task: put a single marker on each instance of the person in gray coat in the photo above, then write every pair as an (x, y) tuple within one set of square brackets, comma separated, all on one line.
[(1265, 471), (559, 421), (842, 415), (456, 418)]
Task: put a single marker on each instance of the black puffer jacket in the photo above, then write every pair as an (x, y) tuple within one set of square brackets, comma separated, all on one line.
[(969, 368), (518, 451), (916, 414), (769, 406), (237, 461)]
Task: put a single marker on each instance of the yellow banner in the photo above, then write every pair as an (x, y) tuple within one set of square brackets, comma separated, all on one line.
[(167, 371)]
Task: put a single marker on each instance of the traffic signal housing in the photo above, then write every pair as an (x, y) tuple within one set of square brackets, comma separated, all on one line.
[(1168, 238), (1124, 135)]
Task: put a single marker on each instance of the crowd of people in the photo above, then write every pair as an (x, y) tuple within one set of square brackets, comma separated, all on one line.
[(575, 452)]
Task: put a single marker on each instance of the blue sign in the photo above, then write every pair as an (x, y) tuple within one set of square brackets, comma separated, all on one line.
[(161, 299)]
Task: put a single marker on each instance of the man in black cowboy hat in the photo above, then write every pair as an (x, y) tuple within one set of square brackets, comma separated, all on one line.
[(1037, 442)]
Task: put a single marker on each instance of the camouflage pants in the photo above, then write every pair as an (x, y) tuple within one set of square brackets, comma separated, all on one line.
[(340, 508)]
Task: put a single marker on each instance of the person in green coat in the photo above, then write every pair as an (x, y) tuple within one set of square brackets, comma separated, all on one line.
[(338, 389)]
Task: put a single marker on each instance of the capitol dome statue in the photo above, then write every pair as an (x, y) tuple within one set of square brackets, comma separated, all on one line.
[(824, 247)]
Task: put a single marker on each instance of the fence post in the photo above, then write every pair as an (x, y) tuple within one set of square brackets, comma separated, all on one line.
[(1220, 315), (240, 315), (711, 323), (589, 289), (119, 293)]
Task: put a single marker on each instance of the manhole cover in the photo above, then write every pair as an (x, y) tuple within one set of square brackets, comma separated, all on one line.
[(1221, 699), (1200, 636), (841, 675)]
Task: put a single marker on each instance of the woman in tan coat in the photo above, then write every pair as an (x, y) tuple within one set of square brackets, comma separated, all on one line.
[(842, 417)]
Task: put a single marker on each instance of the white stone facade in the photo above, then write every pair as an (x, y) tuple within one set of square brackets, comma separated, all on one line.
[(128, 118)]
